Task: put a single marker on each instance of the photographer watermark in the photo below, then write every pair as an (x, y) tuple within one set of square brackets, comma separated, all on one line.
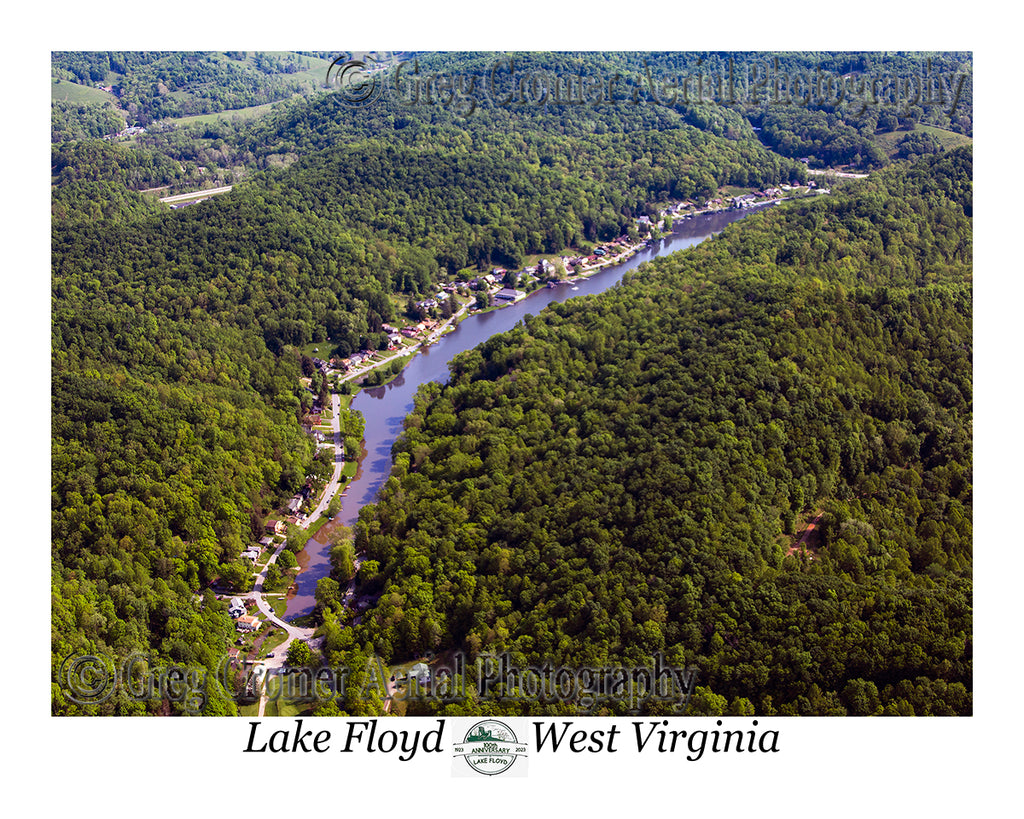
[(94, 680), (511, 82), (90, 679), (497, 678), (359, 82)]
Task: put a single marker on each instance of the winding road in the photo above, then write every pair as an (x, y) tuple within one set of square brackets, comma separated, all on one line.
[(279, 660)]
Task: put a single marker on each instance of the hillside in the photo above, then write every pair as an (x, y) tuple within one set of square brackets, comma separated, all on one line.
[(622, 475)]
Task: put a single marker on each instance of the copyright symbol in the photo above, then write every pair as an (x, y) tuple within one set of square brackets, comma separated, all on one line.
[(87, 679), (357, 84)]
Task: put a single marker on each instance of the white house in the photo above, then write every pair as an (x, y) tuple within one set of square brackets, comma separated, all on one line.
[(248, 623)]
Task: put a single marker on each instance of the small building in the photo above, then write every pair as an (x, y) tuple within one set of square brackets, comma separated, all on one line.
[(294, 504), (236, 608), (509, 294), (252, 553), (275, 527)]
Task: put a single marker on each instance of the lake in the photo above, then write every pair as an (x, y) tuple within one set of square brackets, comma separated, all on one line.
[(385, 408)]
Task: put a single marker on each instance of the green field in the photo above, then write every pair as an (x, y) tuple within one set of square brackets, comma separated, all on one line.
[(947, 139), (80, 94), (252, 112)]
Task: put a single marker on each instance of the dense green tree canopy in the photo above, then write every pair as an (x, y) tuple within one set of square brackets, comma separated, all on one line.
[(613, 478)]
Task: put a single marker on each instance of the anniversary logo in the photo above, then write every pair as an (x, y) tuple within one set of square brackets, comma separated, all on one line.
[(489, 748)]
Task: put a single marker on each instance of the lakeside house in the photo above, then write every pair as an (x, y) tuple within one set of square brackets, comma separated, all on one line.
[(509, 294)]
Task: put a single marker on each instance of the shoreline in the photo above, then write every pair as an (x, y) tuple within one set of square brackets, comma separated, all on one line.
[(465, 312)]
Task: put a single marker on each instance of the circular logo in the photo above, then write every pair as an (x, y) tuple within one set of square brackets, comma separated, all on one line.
[(491, 747), (87, 680), (359, 83)]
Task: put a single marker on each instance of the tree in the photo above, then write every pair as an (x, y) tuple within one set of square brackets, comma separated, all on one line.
[(297, 538), (299, 653), (328, 593)]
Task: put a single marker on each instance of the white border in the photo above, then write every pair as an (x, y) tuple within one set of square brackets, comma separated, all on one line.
[(829, 767)]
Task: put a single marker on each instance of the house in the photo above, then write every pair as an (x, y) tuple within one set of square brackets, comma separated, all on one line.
[(247, 623), (266, 542), (236, 608), (420, 673), (294, 504), (275, 527), (252, 553), (509, 294)]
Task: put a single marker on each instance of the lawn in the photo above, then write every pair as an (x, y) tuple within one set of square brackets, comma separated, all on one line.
[(278, 603), (317, 526), (275, 639), (283, 708)]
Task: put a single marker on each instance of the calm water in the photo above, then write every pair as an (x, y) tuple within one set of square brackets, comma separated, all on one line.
[(384, 408)]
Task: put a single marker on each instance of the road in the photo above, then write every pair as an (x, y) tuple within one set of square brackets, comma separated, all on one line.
[(184, 197), (339, 464), (294, 632), (840, 174)]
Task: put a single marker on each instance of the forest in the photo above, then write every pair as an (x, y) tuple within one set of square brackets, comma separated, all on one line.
[(618, 477), (623, 475)]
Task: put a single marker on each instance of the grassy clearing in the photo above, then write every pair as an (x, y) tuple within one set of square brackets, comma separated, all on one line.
[(239, 114), (80, 94), (947, 139)]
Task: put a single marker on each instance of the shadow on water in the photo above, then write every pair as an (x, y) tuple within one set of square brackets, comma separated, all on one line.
[(384, 420)]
